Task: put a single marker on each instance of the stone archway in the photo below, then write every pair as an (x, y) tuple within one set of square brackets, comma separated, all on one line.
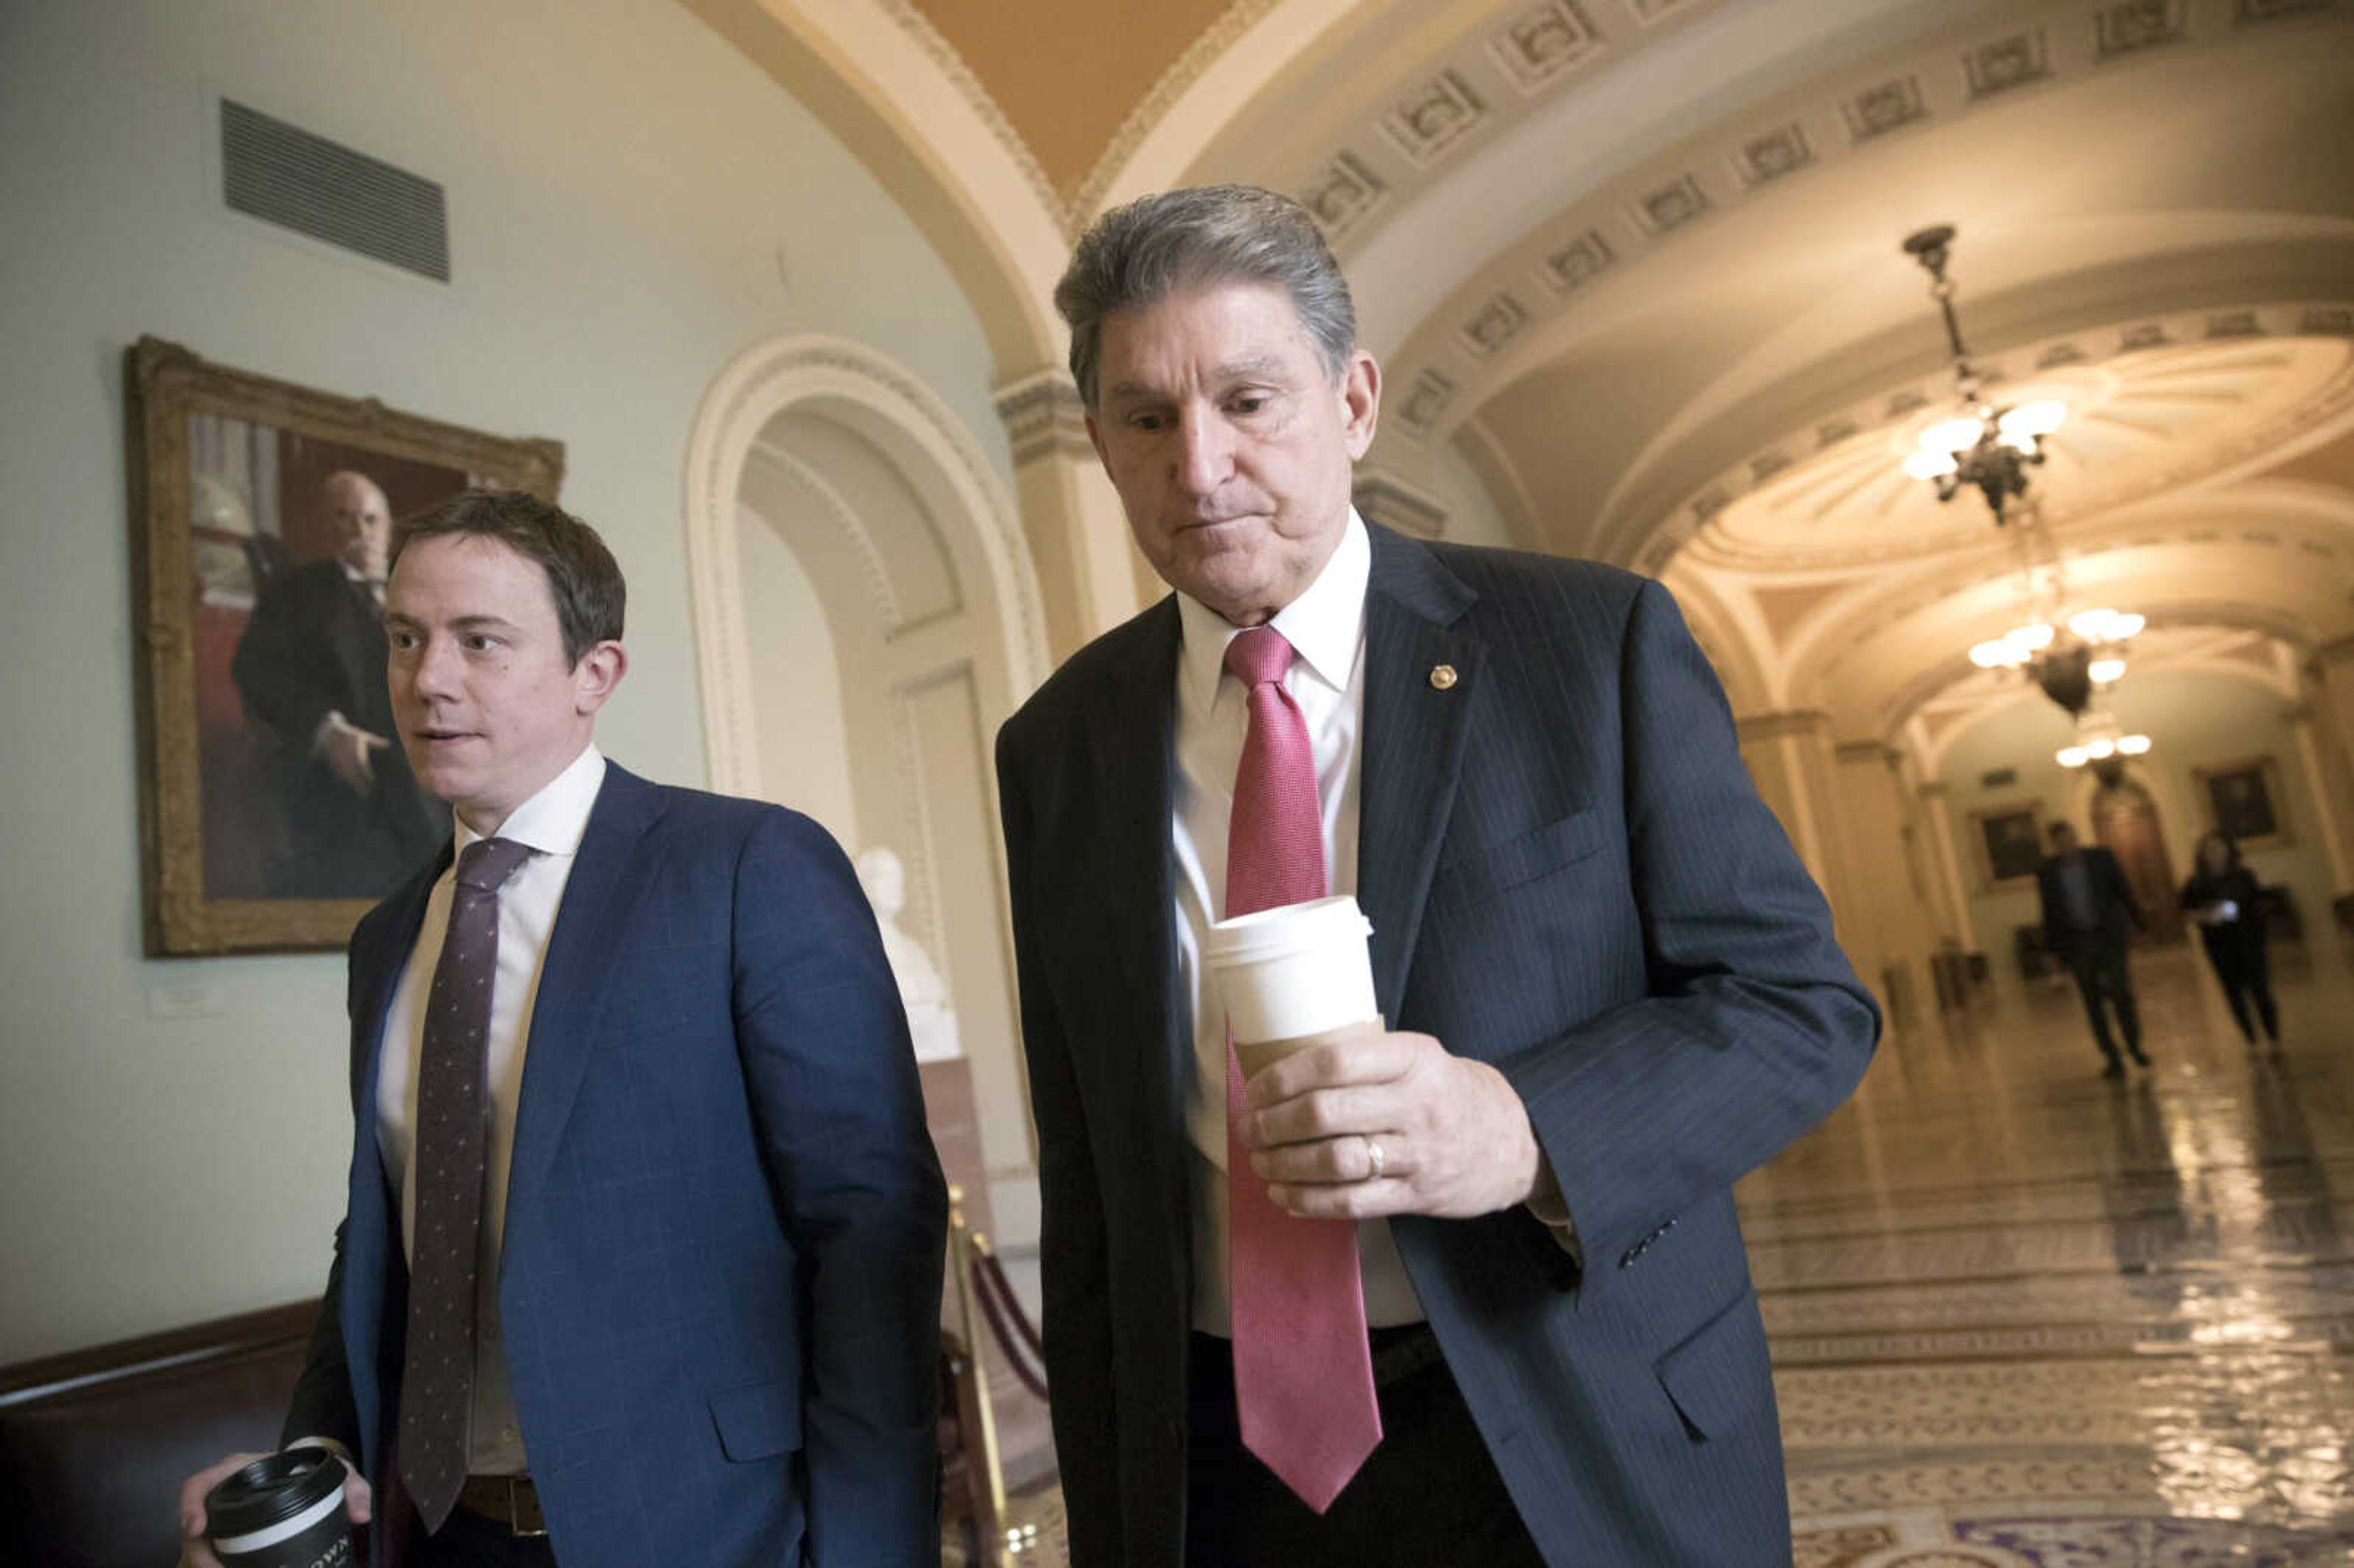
[(822, 454)]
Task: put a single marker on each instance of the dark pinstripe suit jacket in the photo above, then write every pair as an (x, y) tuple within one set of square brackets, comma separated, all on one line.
[(721, 1281), (1569, 876)]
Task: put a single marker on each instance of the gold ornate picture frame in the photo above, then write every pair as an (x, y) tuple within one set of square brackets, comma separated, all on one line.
[(2006, 844), (227, 470), (2243, 797)]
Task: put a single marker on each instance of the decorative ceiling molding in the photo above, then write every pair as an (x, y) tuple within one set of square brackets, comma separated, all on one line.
[(1044, 414), (943, 53), (1498, 322), (1434, 117), (1153, 108), (1390, 501), (2016, 60), (1342, 195), (1623, 222), (2136, 25), (1538, 45), (1831, 494)]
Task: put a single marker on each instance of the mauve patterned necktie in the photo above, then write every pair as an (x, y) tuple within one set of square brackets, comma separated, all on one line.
[(437, 1384), (1303, 1369)]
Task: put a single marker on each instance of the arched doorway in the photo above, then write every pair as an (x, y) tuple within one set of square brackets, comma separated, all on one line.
[(865, 616)]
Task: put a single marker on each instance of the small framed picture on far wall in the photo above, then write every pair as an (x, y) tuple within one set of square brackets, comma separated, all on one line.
[(2008, 842), (2244, 798)]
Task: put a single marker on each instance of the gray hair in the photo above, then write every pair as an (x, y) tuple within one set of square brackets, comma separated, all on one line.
[(1136, 255)]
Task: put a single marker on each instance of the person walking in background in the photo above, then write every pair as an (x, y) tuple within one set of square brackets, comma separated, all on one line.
[(2224, 898), (2088, 908)]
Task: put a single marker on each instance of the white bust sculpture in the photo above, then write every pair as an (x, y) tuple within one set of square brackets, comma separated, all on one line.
[(932, 1021)]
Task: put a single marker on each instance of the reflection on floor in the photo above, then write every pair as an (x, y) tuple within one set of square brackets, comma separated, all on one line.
[(2020, 1314), (2024, 1316)]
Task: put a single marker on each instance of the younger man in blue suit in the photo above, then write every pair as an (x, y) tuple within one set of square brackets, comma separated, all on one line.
[(642, 1262)]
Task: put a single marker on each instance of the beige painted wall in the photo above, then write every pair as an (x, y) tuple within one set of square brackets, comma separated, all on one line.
[(631, 203), (804, 743)]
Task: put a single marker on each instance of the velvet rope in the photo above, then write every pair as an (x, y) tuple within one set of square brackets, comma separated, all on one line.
[(989, 1281)]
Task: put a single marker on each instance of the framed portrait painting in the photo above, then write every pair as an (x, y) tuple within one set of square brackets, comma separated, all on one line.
[(2244, 798), (275, 804), (2007, 842)]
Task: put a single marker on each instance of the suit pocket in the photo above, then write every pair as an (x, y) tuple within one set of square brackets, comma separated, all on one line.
[(1487, 872), (758, 1420), (1715, 1376)]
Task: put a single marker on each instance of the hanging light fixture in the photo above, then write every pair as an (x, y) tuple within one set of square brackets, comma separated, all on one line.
[(2101, 743), (1987, 448), (2070, 667)]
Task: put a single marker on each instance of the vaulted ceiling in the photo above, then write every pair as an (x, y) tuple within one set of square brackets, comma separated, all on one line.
[(1632, 267)]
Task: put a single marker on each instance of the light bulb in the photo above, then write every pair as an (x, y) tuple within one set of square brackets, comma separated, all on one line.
[(2032, 420), (2031, 637), (1952, 435), (2073, 757), (2105, 671), (1930, 465), (2101, 750), (2133, 745)]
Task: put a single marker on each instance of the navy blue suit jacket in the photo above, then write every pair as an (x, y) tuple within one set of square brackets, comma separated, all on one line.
[(1569, 876), (724, 1222)]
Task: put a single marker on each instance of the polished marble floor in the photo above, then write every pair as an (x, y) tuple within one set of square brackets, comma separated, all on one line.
[(2022, 1315)]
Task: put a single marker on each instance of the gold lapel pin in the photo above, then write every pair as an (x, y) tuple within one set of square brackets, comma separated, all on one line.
[(1442, 676)]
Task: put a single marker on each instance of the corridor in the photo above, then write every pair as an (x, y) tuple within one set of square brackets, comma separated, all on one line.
[(2023, 1314)]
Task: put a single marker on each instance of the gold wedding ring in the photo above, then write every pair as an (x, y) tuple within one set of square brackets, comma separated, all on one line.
[(1374, 1157)]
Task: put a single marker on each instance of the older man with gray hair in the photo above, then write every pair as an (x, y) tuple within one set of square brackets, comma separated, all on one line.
[(1469, 1288)]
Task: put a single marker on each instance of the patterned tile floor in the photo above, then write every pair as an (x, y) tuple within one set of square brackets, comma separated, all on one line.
[(2023, 1315)]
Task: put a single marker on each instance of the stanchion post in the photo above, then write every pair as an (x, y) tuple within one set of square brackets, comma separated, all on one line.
[(980, 1419)]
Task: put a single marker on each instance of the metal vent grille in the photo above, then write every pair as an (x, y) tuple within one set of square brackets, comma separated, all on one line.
[(284, 175)]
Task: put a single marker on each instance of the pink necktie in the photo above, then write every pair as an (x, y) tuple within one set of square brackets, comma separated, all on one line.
[(1303, 1371)]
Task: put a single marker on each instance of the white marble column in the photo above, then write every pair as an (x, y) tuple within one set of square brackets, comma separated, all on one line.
[(1951, 892), (1896, 932)]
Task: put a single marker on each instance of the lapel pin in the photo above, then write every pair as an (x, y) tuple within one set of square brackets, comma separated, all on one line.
[(1442, 676)]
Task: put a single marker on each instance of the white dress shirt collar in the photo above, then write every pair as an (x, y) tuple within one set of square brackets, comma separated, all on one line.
[(1325, 625), (555, 821)]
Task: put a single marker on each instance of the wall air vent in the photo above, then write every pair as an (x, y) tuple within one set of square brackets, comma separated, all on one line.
[(1999, 779), (284, 175)]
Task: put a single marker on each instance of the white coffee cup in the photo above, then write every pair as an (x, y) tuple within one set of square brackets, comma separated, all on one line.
[(1291, 975)]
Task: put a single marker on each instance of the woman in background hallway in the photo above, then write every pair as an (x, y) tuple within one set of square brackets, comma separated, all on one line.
[(2223, 896)]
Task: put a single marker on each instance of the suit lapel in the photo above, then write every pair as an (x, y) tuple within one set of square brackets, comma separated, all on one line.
[(1416, 722), (1130, 740), (611, 873)]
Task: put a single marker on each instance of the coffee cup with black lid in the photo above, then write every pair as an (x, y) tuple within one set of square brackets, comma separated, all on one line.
[(283, 1511)]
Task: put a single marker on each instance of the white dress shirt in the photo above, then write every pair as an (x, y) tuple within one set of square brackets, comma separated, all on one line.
[(1326, 627), (551, 824)]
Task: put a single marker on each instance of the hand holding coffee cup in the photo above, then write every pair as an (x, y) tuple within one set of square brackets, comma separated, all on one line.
[(295, 1509), (1348, 1120)]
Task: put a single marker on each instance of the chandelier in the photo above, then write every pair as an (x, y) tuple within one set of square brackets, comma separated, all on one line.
[(1985, 447), (2101, 742), (2091, 654)]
